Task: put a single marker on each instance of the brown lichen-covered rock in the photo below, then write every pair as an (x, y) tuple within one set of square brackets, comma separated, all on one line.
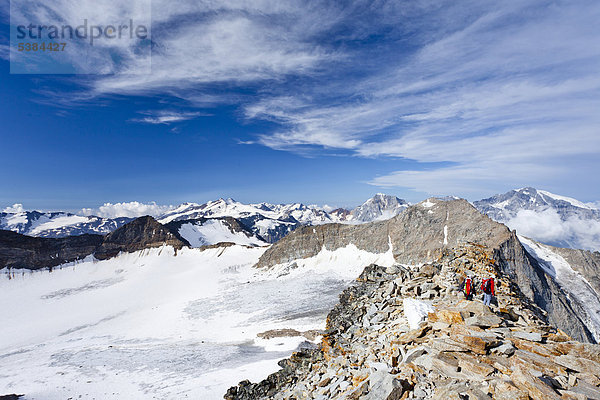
[(447, 316)]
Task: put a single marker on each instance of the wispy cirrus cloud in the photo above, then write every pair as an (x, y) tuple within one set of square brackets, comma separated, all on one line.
[(508, 98), (166, 117), (226, 42), (4, 52), (486, 94)]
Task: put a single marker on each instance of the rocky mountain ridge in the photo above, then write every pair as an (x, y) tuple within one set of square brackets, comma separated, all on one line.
[(407, 332), (417, 235), (19, 251), (425, 231)]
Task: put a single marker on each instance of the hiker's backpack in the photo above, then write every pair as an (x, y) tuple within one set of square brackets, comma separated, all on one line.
[(487, 286), (468, 286)]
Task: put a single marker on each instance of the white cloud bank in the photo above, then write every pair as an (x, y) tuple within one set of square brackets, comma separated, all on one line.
[(131, 209), (15, 208), (547, 227)]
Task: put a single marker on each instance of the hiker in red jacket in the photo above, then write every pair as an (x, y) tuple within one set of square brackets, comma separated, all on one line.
[(487, 287), (468, 288)]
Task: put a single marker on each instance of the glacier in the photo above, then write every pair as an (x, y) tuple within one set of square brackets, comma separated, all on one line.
[(162, 324)]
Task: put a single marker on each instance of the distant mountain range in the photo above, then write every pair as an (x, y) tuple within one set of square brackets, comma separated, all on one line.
[(503, 207), (207, 223), (58, 224), (546, 217)]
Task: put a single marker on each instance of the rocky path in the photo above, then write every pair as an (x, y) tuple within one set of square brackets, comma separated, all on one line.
[(461, 350)]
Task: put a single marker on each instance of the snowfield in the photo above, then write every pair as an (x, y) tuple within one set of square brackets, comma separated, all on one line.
[(213, 232), (153, 324)]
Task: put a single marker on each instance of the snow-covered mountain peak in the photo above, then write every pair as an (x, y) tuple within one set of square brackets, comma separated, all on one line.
[(227, 201), (528, 198), (379, 207), (57, 224), (573, 202), (547, 217)]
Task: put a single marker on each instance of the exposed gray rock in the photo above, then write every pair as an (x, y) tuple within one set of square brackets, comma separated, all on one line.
[(531, 336), (20, 251), (484, 321), (417, 235), (540, 288), (423, 232)]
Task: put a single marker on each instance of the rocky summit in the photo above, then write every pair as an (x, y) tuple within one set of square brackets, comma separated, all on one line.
[(406, 332)]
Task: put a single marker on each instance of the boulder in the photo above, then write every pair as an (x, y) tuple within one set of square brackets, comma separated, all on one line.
[(446, 316), (484, 321), (531, 336), (536, 388)]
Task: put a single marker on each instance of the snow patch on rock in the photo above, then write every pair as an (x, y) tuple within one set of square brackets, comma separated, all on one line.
[(571, 281), (416, 311)]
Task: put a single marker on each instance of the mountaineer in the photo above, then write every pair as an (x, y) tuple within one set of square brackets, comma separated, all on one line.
[(468, 288), (487, 287)]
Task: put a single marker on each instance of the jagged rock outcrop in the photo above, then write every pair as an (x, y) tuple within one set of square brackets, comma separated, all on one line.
[(20, 251), (459, 350)]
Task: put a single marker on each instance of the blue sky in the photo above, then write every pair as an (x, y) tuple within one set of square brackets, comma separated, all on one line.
[(312, 102)]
